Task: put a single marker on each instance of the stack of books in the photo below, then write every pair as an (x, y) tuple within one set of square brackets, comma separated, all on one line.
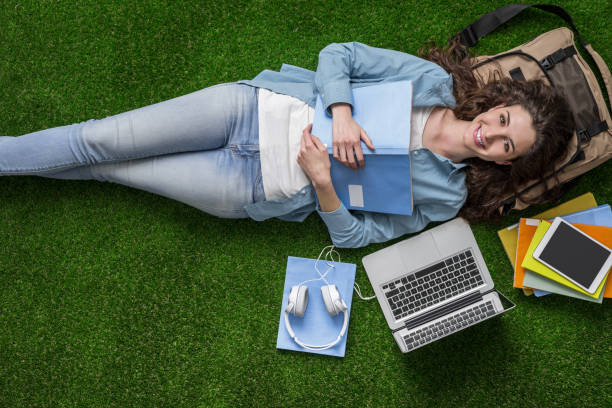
[(520, 241)]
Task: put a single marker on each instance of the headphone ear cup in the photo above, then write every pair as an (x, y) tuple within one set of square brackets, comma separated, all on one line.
[(292, 300), (300, 300), (331, 297)]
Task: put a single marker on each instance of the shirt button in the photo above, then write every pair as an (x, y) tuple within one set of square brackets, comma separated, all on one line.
[(416, 152)]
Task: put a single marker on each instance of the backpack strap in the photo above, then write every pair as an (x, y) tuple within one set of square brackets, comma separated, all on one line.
[(603, 69), (486, 24), (493, 19)]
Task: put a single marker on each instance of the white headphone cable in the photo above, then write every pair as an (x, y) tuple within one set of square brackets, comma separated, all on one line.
[(358, 291), (330, 254)]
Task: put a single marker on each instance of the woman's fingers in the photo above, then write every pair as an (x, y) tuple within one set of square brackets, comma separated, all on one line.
[(346, 156), (318, 143), (366, 139), (350, 155), (306, 136), (313, 158), (359, 156), (339, 151), (359, 152), (345, 151), (347, 137)]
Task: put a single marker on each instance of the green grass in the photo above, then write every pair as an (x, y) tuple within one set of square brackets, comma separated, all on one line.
[(115, 297)]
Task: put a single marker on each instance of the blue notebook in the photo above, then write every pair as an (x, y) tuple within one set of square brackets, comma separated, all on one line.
[(601, 215), (384, 184), (317, 326)]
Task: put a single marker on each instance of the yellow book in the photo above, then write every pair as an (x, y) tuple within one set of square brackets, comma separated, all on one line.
[(529, 262), (509, 235)]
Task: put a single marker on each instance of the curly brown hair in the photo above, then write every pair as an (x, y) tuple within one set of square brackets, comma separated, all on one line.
[(489, 184)]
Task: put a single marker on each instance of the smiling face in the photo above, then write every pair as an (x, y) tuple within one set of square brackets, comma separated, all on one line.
[(501, 134)]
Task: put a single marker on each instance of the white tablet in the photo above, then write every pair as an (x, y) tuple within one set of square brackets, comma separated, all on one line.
[(574, 255)]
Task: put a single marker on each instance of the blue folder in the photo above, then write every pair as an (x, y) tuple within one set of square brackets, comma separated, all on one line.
[(317, 326), (601, 215), (384, 184)]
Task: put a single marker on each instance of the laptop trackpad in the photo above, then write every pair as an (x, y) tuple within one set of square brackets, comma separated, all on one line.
[(419, 251)]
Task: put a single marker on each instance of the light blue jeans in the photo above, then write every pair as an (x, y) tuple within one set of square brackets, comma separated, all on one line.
[(201, 149)]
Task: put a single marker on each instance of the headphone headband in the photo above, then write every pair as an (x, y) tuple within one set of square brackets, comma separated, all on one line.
[(296, 305), (316, 347)]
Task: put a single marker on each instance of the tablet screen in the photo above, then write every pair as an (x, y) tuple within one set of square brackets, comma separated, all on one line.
[(577, 256)]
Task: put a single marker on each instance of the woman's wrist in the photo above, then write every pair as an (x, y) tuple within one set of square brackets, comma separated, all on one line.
[(328, 199), (322, 183), (341, 110)]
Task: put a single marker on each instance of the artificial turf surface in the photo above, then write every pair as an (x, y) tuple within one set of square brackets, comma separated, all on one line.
[(115, 297)]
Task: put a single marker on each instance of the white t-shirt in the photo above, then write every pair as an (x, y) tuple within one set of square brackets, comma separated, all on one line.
[(417, 125), (282, 119)]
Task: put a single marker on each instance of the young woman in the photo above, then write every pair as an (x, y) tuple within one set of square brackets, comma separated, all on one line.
[(245, 149)]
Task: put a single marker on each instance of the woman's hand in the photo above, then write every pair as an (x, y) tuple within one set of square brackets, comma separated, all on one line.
[(314, 160), (347, 136)]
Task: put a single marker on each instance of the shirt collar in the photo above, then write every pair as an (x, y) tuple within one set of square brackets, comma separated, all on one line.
[(443, 159), (456, 167)]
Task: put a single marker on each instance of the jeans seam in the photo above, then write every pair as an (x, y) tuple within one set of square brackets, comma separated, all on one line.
[(105, 161), (39, 169), (223, 209)]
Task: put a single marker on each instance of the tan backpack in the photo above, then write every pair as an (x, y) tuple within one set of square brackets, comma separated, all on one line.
[(553, 57)]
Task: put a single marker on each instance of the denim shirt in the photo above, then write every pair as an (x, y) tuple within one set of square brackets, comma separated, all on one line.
[(438, 184)]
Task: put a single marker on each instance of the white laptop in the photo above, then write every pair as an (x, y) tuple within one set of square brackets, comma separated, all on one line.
[(433, 285)]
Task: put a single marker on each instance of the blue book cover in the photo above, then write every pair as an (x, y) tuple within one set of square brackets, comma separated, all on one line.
[(600, 215), (384, 184), (540, 293), (317, 326)]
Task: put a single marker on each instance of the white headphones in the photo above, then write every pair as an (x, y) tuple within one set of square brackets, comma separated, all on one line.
[(298, 300)]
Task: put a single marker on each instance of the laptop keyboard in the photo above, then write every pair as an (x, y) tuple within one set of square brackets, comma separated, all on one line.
[(452, 276), (449, 325)]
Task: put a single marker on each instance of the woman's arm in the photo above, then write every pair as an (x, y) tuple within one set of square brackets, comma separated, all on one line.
[(341, 64), (349, 230), (358, 229), (314, 160)]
